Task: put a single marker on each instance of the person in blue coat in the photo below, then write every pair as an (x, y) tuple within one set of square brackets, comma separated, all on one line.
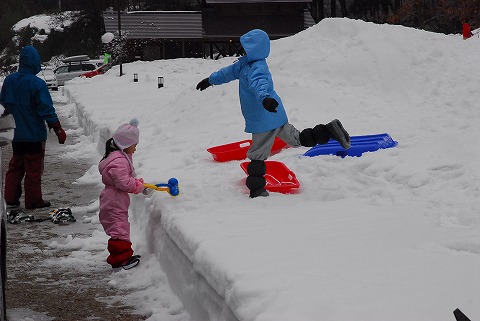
[(263, 110), (26, 97)]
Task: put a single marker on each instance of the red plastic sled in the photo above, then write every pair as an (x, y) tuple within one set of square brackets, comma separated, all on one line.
[(238, 150), (279, 177)]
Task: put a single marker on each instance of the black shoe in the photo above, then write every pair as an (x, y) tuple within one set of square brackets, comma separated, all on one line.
[(131, 262), (17, 204), (41, 204), (339, 133), (13, 207), (259, 192)]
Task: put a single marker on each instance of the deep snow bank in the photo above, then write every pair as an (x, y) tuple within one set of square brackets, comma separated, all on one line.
[(366, 236)]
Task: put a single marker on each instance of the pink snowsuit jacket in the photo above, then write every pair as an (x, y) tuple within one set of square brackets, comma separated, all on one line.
[(114, 199)]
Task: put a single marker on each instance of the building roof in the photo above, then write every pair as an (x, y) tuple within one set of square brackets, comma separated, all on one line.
[(183, 25), (156, 24)]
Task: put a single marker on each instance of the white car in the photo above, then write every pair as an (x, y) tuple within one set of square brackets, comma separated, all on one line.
[(49, 76), (74, 67)]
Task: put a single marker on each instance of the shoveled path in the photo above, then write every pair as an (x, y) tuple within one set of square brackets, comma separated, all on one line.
[(39, 292)]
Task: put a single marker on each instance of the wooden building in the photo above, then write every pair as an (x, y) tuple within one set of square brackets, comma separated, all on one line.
[(212, 32)]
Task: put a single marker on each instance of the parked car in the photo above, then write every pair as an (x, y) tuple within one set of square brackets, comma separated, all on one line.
[(7, 125), (48, 75), (73, 67)]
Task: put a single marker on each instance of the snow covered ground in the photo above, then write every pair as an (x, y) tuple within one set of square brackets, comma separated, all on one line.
[(392, 235)]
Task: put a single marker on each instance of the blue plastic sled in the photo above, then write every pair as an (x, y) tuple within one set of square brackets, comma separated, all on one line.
[(359, 145)]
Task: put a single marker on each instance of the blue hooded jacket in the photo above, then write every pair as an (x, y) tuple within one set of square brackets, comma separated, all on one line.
[(255, 83), (26, 97)]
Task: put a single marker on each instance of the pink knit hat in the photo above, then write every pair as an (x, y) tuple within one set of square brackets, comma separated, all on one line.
[(127, 134)]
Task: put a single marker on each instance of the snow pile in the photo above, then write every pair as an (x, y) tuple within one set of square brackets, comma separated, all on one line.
[(392, 235), (44, 24)]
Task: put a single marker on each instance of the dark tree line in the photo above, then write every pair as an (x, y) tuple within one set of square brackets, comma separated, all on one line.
[(83, 36), (444, 16), (372, 10)]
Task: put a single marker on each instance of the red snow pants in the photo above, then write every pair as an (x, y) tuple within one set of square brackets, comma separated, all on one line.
[(120, 251), (27, 162)]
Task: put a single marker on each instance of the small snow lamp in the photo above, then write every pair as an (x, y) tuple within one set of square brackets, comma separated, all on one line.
[(135, 77), (160, 82)]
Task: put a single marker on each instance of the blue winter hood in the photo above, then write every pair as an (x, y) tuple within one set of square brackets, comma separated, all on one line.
[(29, 62), (256, 44)]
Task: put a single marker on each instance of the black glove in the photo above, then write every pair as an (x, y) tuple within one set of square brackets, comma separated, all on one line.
[(204, 84), (270, 104)]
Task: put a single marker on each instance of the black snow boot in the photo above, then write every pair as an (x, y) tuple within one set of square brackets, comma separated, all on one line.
[(256, 180), (337, 132), (132, 262), (321, 134), (310, 137)]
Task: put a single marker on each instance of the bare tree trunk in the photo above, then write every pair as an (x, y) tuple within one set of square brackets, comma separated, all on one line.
[(343, 8), (314, 10), (318, 10), (386, 5), (333, 8), (321, 10)]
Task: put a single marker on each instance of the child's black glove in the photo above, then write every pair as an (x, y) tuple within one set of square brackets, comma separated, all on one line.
[(270, 104), (204, 84)]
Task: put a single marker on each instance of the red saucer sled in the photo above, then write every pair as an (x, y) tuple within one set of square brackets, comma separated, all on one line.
[(279, 177), (238, 150)]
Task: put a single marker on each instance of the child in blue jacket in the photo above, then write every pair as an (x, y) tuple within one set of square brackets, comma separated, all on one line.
[(262, 108)]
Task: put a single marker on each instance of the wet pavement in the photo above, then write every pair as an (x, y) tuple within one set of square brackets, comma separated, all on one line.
[(39, 286)]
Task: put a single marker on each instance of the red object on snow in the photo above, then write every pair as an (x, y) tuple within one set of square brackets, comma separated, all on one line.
[(467, 33), (238, 150), (278, 176), (99, 71)]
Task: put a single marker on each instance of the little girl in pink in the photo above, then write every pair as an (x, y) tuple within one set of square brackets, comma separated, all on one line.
[(119, 178)]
